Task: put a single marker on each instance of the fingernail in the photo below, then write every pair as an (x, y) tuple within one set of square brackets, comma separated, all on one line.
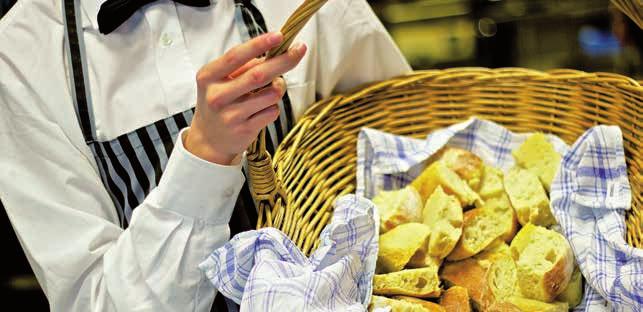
[(299, 48), (275, 37)]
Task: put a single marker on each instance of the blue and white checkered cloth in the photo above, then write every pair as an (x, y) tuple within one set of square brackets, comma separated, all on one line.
[(590, 196), (264, 270), (591, 221)]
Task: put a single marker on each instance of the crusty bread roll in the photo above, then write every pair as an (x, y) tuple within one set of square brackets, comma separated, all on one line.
[(465, 164), (428, 305), (500, 205), (398, 245), (443, 215), (528, 197), (481, 228), (530, 305), (544, 260), (394, 305), (398, 207), (491, 184), (538, 156), (471, 275), (573, 294), (439, 174), (456, 299), (421, 283)]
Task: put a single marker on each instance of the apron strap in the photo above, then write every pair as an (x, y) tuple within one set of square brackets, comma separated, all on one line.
[(74, 46)]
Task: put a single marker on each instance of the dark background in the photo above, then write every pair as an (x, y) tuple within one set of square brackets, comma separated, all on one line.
[(587, 35)]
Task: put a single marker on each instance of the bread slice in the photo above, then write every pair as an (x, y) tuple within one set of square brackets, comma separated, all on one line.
[(503, 276), (538, 156), (443, 215), (428, 305), (422, 259), (544, 260), (573, 294), (456, 299), (471, 275), (467, 165), (439, 174), (398, 245), (500, 205), (528, 198), (379, 302), (481, 228), (397, 207), (529, 305), (422, 283), (503, 307), (491, 184)]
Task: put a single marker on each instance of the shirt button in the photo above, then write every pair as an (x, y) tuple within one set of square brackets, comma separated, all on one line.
[(166, 40)]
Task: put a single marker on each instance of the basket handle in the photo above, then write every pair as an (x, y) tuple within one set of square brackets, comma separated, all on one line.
[(266, 190)]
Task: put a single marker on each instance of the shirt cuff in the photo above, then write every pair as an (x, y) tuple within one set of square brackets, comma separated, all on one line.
[(197, 188)]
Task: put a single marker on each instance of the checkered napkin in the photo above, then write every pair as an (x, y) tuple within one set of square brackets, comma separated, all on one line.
[(589, 197), (264, 270), (591, 221)]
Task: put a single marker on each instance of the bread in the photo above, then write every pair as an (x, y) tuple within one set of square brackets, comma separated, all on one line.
[(394, 305), (398, 207), (573, 294), (502, 277), (507, 219), (439, 174), (443, 215), (467, 165), (455, 299), (544, 261), (528, 197), (428, 305), (422, 283), (421, 259), (503, 307), (491, 184), (529, 305), (481, 228), (398, 245), (538, 156), (471, 275)]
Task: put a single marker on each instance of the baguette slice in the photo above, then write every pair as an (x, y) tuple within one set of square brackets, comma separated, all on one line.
[(544, 260), (538, 156), (528, 197), (573, 294), (500, 205), (422, 259), (471, 275), (428, 305), (491, 184), (439, 174), (481, 228), (398, 245), (398, 207), (529, 305), (421, 283), (379, 302), (503, 307), (456, 299), (443, 215), (503, 275), (467, 165)]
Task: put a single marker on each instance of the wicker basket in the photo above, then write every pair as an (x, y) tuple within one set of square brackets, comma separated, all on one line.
[(316, 161), (631, 8)]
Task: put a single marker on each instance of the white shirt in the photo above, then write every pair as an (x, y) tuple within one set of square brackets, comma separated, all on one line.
[(143, 72)]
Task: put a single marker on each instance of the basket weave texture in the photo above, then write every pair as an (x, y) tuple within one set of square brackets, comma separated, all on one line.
[(316, 162)]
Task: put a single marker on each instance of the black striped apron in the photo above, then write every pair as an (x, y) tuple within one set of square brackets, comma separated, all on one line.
[(132, 164)]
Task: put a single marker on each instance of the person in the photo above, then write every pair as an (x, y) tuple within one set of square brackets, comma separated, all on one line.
[(123, 125)]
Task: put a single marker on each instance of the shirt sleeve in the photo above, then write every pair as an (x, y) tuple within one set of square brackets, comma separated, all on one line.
[(67, 223), (355, 48)]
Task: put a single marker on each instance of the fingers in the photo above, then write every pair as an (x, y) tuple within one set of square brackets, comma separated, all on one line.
[(251, 104), (246, 67), (261, 74), (238, 56), (262, 118)]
